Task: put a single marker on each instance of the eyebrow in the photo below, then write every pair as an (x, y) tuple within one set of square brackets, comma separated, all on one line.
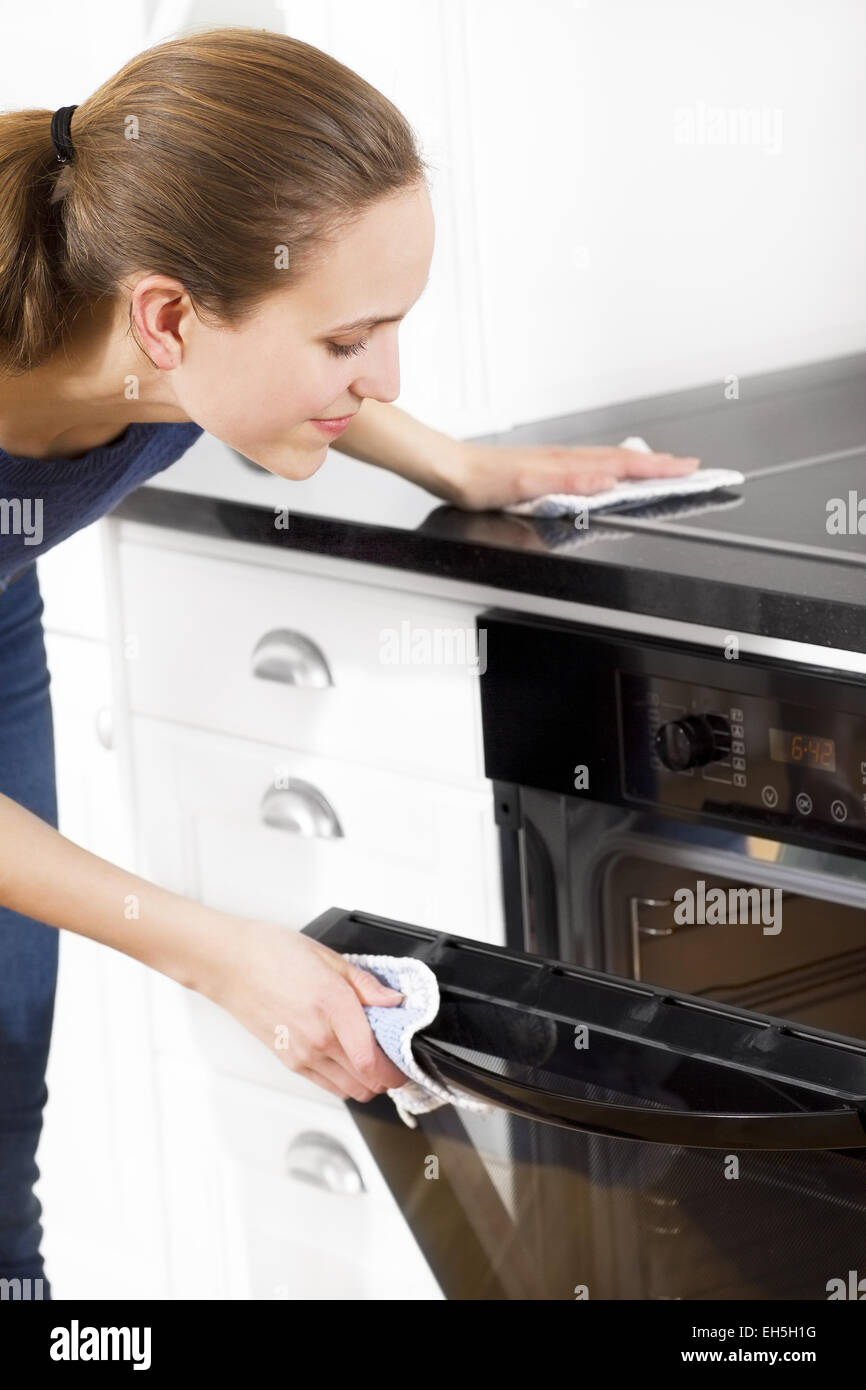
[(373, 321)]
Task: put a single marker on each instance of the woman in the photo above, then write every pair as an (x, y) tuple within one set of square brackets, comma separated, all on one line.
[(225, 236)]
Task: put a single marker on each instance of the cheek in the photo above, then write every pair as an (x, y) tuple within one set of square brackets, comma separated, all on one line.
[(319, 382), (259, 400), (258, 395)]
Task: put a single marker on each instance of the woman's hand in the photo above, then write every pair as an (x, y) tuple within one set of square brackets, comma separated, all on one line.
[(484, 477), (305, 1002), (487, 476)]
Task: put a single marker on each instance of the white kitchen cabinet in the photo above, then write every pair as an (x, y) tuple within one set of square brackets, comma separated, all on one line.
[(370, 675), (332, 777), (272, 1198), (419, 851)]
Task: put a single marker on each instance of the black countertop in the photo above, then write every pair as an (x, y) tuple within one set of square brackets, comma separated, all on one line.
[(759, 559)]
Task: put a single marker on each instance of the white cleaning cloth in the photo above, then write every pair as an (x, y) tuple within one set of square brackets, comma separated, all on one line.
[(630, 493), (395, 1026)]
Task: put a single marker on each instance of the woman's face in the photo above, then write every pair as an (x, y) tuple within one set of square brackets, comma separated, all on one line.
[(260, 387)]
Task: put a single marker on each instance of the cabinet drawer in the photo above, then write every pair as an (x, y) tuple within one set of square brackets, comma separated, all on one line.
[(329, 666), (293, 1196), (423, 852)]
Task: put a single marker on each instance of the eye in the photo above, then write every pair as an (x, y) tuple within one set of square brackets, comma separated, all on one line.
[(345, 349)]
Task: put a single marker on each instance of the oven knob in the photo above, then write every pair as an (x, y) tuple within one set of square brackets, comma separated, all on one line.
[(694, 741)]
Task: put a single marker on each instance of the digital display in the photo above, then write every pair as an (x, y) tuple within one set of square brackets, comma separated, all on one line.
[(806, 750)]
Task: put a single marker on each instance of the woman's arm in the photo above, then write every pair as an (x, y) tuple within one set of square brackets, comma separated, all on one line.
[(295, 995), (478, 477)]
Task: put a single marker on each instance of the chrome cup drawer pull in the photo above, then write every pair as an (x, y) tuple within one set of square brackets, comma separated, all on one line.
[(301, 809), (290, 657), (323, 1162)]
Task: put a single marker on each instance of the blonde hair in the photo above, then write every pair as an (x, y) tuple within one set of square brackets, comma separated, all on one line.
[(249, 150)]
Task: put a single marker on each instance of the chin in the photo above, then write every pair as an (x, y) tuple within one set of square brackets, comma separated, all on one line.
[(295, 465), (304, 465)]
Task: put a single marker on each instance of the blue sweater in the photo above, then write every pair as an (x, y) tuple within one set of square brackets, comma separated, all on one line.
[(42, 501)]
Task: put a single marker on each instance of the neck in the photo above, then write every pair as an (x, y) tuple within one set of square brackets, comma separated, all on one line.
[(87, 392)]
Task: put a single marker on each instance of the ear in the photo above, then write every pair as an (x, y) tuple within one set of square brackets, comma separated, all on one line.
[(162, 313)]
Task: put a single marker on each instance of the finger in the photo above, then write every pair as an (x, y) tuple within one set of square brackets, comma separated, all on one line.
[(332, 1077), (604, 455), (575, 482), (585, 484), (324, 1060), (319, 1079), (367, 986), (658, 465), (370, 990), (357, 1049)]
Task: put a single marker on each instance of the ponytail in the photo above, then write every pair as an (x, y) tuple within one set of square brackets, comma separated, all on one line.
[(35, 300)]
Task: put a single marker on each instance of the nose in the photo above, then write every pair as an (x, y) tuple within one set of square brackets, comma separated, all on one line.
[(381, 377)]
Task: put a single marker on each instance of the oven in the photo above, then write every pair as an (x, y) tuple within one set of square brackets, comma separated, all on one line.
[(672, 1041)]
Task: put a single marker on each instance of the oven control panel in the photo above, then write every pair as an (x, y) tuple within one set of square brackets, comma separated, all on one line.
[(758, 744), (696, 747)]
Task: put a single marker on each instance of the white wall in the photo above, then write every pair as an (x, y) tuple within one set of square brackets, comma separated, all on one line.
[(631, 197), (623, 261)]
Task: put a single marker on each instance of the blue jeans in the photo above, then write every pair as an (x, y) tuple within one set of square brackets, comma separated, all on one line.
[(28, 949)]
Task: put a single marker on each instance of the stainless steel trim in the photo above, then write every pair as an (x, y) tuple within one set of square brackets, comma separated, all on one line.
[(804, 463), (727, 538)]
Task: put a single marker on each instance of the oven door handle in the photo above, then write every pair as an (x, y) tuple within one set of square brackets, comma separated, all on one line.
[(843, 1128)]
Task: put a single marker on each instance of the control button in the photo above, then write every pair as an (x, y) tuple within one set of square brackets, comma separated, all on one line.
[(770, 797), (737, 731), (737, 715), (804, 803), (839, 811), (693, 741), (739, 779)]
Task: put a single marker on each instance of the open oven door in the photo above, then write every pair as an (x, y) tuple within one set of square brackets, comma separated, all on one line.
[(640, 1143)]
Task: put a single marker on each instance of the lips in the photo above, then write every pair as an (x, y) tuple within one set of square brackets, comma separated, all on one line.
[(333, 424)]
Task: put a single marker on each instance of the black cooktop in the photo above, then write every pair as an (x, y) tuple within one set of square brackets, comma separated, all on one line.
[(813, 507)]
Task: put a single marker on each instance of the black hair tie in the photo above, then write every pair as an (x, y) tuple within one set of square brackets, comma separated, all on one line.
[(60, 135)]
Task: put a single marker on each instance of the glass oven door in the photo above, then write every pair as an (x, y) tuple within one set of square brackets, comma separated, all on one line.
[(641, 1143)]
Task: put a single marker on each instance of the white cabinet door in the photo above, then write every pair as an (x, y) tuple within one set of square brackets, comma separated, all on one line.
[(271, 1198), (418, 851)]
